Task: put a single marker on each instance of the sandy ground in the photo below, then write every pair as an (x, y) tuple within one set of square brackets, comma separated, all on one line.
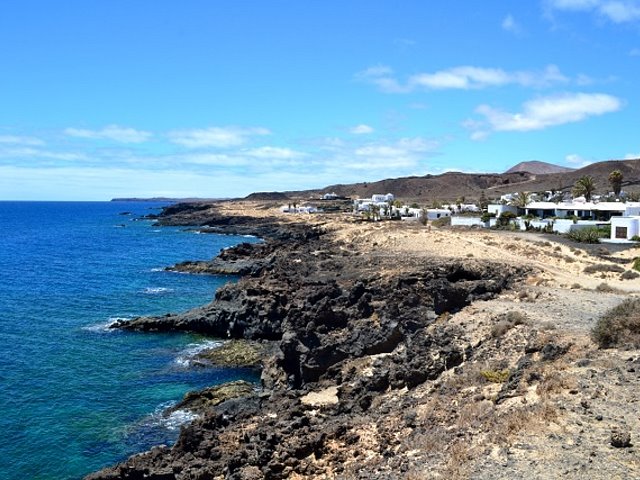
[(559, 426)]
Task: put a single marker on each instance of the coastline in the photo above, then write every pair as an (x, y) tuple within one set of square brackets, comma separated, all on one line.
[(372, 352)]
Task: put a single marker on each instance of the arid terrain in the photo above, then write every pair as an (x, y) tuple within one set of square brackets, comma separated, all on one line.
[(460, 354)]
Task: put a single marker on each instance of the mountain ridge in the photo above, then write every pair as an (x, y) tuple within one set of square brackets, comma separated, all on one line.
[(451, 186), (538, 167)]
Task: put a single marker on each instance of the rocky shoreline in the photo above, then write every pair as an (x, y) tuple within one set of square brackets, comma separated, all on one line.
[(354, 346)]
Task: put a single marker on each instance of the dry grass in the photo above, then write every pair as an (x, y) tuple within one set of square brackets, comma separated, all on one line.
[(603, 267), (555, 382), (620, 326)]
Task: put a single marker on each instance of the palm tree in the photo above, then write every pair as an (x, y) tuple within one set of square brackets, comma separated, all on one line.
[(615, 179), (522, 199), (484, 203), (584, 187)]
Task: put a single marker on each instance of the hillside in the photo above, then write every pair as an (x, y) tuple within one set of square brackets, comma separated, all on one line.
[(453, 185), (538, 168)]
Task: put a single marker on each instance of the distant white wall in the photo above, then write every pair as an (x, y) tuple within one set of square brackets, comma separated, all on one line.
[(466, 221), (498, 209), (631, 211), (435, 213), (565, 226)]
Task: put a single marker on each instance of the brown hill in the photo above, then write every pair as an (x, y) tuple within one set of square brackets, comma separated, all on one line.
[(538, 168), (599, 171), (266, 196), (453, 185)]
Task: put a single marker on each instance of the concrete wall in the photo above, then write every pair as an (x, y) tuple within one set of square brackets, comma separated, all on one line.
[(435, 213), (566, 226), (632, 211), (457, 221), (500, 209)]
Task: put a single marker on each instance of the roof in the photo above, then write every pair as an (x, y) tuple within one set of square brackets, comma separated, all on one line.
[(601, 206)]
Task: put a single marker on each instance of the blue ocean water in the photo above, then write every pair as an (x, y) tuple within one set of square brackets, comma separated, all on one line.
[(75, 396)]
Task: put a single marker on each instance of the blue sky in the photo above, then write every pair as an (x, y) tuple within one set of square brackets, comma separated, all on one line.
[(217, 99)]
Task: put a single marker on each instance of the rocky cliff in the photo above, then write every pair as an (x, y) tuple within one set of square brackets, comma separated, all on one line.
[(340, 329)]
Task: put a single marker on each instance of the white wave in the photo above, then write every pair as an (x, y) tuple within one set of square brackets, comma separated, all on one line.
[(157, 290), (185, 357), (105, 326), (157, 269), (171, 421), (156, 230), (177, 418)]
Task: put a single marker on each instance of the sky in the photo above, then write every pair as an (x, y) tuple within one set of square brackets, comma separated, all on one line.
[(103, 99)]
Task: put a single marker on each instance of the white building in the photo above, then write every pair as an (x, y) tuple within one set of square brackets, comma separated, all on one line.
[(302, 209), (435, 213), (625, 228), (378, 198), (499, 209), (584, 210)]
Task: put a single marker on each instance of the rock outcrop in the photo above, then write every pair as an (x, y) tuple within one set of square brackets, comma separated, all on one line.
[(342, 329)]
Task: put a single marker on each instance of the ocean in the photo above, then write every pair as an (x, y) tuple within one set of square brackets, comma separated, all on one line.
[(74, 395)]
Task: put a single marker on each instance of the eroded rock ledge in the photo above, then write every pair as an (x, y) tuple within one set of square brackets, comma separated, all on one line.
[(343, 329)]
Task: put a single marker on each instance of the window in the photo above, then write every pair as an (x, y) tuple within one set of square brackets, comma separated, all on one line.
[(621, 232)]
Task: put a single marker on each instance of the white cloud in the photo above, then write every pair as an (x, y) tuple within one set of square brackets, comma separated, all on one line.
[(549, 111), (510, 25), (15, 152), (402, 153), (573, 4), (462, 78), (274, 153), (220, 137), (577, 161), (584, 80), (382, 77), (361, 129), (617, 11), (479, 135), (632, 156), (620, 12), (20, 140), (111, 132)]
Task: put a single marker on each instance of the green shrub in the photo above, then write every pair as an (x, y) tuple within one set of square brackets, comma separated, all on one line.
[(605, 230), (441, 222), (586, 235), (636, 264), (495, 376), (635, 238), (486, 216), (620, 326), (505, 218)]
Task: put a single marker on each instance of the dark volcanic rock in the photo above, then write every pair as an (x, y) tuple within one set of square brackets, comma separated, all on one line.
[(318, 323)]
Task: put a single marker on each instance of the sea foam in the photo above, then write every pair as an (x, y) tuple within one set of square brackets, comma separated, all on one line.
[(187, 355)]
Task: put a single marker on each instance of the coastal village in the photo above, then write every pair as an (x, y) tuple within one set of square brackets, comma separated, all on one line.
[(613, 217)]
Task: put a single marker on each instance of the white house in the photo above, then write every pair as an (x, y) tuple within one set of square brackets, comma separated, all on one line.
[(330, 196), (625, 228), (302, 209), (498, 209), (435, 213), (582, 209), (378, 198)]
